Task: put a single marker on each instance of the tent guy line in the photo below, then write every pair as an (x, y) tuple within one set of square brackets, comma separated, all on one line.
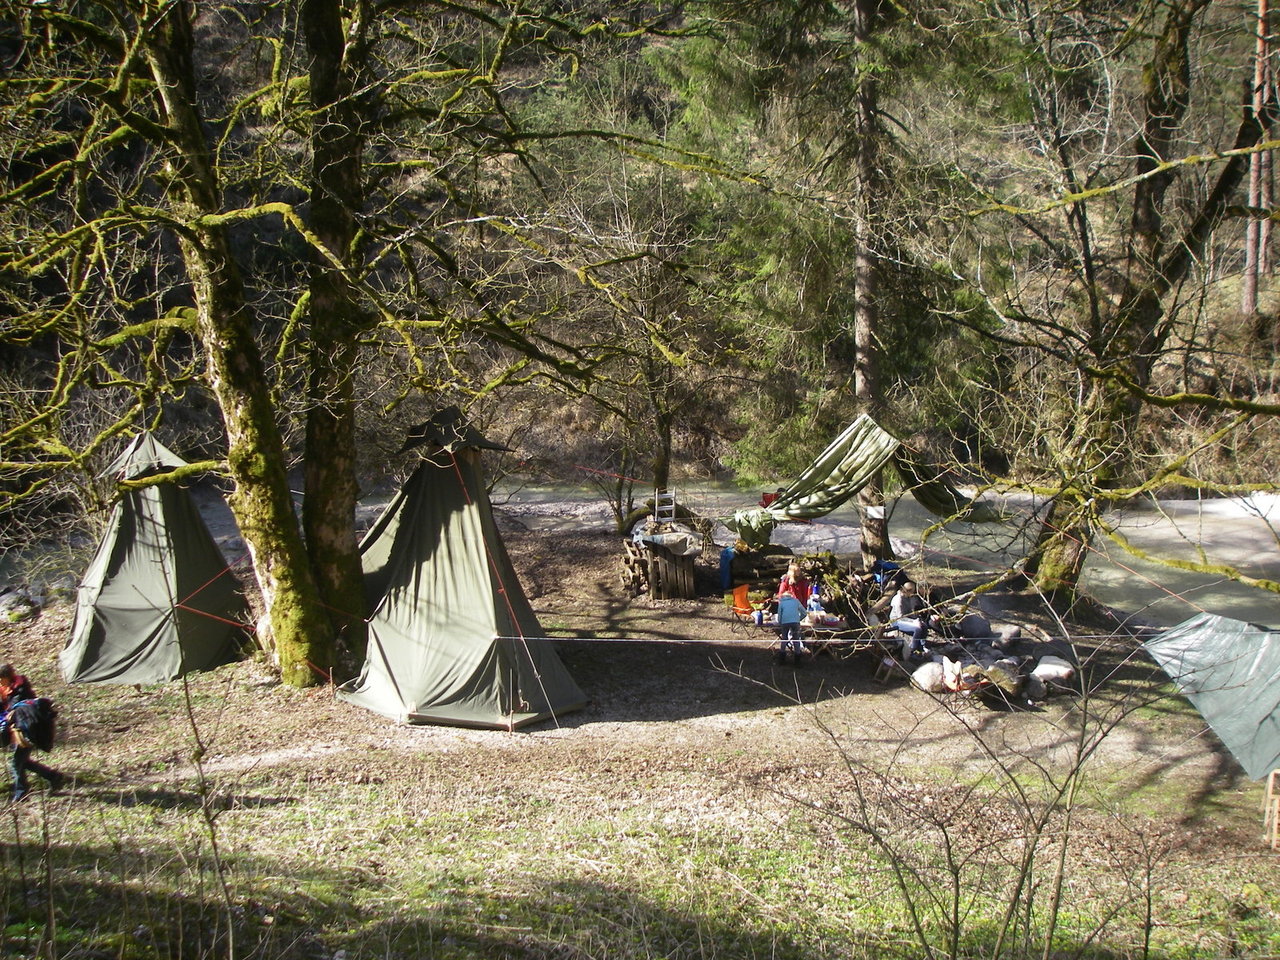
[(764, 641)]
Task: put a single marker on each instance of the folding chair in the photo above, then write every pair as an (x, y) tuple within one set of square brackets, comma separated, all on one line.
[(744, 614)]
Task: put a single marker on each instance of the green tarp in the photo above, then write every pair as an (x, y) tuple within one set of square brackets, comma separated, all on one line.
[(1230, 671), (846, 466), (158, 600), (937, 494), (452, 639)]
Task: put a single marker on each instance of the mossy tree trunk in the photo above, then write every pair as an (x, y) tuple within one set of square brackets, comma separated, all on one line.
[(261, 500), (1124, 344), (337, 319), (1057, 561), (663, 421)]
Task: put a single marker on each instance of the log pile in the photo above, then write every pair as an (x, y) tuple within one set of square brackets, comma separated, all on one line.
[(661, 573), (635, 569)]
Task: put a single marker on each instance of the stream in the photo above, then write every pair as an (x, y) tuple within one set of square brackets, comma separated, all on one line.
[(1243, 533)]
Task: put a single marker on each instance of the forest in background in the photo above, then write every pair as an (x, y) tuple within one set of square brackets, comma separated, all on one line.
[(649, 239)]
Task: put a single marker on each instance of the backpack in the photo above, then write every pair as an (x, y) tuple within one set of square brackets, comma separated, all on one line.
[(32, 723)]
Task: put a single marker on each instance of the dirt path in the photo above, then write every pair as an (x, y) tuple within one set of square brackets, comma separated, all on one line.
[(682, 708)]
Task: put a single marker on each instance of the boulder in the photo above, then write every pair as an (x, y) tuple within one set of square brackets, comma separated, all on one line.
[(1034, 689)]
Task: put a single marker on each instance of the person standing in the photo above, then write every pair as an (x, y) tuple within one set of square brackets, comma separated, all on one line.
[(26, 722), (13, 687), (790, 613), (795, 583)]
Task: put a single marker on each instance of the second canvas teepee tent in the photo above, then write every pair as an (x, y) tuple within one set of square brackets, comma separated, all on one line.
[(452, 639), (158, 599)]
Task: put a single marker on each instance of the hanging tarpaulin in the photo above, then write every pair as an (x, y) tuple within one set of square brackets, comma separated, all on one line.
[(845, 467), (839, 472), (937, 494), (1230, 671)]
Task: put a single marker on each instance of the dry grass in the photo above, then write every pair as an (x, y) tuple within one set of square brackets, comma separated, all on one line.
[(706, 804)]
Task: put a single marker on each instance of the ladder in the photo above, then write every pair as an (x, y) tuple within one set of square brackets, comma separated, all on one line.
[(664, 506)]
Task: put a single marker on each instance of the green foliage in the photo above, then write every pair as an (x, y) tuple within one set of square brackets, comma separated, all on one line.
[(657, 211), (776, 449)]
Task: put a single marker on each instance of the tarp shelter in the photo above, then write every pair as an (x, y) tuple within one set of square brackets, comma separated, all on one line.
[(847, 465), (452, 638), (1230, 671), (158, 600)]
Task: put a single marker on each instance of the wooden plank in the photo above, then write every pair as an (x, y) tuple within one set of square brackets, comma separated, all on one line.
[(1271, 809)]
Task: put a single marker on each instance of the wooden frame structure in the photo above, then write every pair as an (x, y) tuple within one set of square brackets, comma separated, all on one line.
[(1271, 810)]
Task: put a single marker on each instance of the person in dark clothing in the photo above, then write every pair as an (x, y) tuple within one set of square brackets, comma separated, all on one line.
[(26, 722), (909, 614), (13, 687)]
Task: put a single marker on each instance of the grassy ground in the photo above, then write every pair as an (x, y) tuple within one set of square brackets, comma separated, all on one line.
[(706, 804)]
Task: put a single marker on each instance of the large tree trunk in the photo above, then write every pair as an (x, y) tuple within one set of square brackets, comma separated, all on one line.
[(876, 544), (868, 389), (1058, 560), (1100, 447), (261, 500), (331, 486), (663, 422)]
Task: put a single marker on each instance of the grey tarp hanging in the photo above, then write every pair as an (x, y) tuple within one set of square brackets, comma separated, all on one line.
[(1230, 671), (158, 599), (846, 466), (452, 639)]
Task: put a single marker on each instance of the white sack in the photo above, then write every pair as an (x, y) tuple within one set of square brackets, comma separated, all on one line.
[(1053, 669), (928, 677)]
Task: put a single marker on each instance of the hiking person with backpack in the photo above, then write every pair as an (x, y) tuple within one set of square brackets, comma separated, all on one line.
[(13, 687), (26, 722)]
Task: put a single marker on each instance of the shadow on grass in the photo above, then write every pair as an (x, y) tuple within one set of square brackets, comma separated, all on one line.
[(162, 799), (120, 900), (569, 920), (110, 902), (654, 680)]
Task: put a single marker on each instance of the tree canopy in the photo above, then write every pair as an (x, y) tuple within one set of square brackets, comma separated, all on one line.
[(703, 233)]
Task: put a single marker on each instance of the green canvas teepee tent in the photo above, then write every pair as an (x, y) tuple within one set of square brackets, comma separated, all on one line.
[(452, 639), (158, 600)]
